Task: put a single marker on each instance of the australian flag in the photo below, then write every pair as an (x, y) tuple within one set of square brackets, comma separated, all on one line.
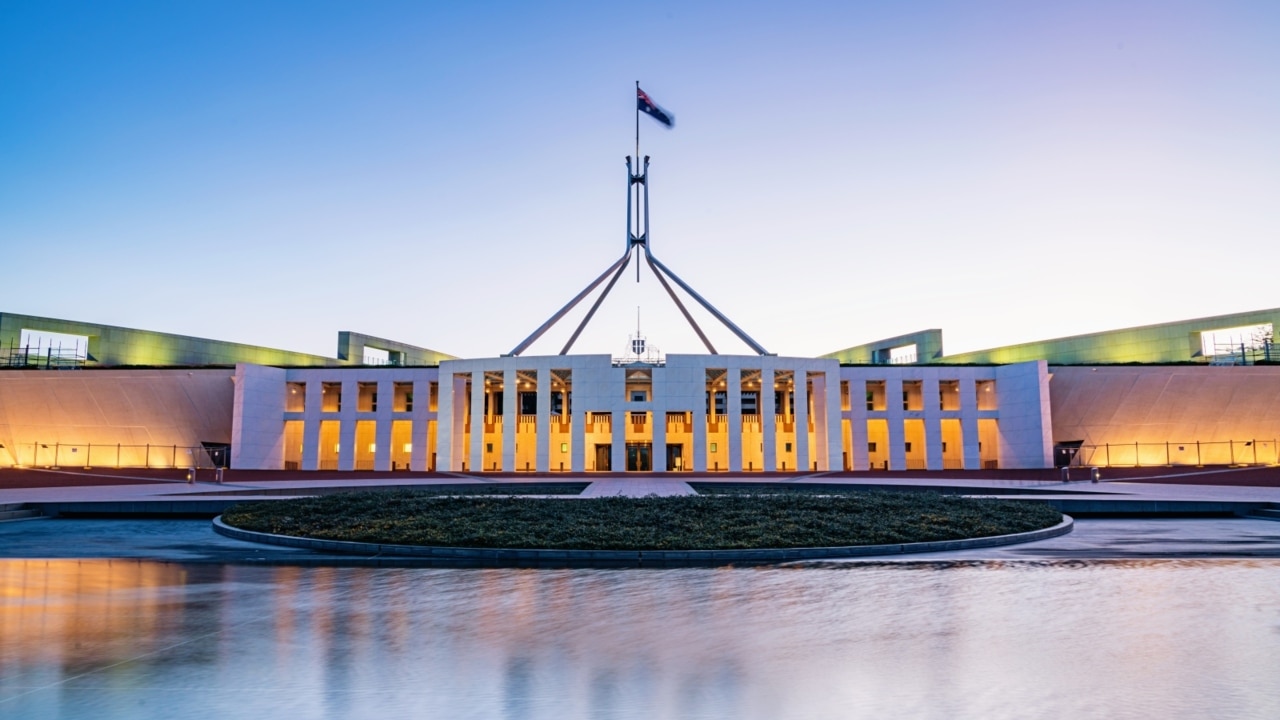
[(650, 108)]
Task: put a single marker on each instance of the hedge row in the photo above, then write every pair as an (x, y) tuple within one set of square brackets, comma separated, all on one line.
[(739, 521)]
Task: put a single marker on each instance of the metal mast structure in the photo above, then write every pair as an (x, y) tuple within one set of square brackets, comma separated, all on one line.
[(637, 241)]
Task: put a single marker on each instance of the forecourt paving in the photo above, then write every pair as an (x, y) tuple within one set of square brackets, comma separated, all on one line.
[(1074, 498), (192, 540)]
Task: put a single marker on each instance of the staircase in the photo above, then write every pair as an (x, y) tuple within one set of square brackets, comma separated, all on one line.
[(23, 511)]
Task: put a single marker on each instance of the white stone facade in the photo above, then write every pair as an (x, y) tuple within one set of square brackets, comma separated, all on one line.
[(699, 413)]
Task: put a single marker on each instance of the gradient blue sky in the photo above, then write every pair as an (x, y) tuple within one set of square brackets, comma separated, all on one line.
[(449, 174)]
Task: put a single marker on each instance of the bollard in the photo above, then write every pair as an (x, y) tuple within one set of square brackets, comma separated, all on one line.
[(1066, 474), (191, 477), (1095, 474)]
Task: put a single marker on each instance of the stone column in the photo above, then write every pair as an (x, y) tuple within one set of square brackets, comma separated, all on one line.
[(347, 431), (733, 393), (311, 415), (895, 415), (382, 428), (477, 420), (542, 450), (859, 457), (700, 419), (420, 457), (969, 422), (929, 389), (510, 417), (802, 419), (768, 417)]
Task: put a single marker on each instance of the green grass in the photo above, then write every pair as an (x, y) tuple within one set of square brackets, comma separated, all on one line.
[(739, 521)]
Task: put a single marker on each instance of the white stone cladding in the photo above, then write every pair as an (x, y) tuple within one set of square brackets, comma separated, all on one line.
[(655, 421)]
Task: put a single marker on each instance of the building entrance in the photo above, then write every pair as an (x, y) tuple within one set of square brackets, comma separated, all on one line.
[(604, 458), (639, 457), (675, 457)]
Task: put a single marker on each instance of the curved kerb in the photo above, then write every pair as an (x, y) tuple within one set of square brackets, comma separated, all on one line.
[(426, 555)]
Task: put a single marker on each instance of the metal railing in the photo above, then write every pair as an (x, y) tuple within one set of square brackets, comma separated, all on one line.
[(43, 357), (100, 455), (1248, 353), (1168, 454)]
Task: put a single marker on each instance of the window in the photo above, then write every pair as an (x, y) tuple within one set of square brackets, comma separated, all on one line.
[(720, 403), (528, 403), (296, 400), (639, 396), (871, 400), (751, 403), (904, 355), (788, 447), (374, 356), (1227, 341), (559, 401), (907, 446), (871, 447), (332, 397)]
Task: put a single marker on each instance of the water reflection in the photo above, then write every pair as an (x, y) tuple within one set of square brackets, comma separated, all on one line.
[(110, 638)]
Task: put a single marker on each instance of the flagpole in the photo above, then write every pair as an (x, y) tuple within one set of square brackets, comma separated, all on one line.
[(637, 169), (637, 124)]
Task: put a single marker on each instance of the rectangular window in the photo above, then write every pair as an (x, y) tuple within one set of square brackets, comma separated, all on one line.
[(871, 447), (907, 446), (42, 347), (332, 397), (1228, 341), (751, 403), (904, 355), (402, 400), (639, 396), (528, 403), (374, 356), (368, 397), (296, 400)]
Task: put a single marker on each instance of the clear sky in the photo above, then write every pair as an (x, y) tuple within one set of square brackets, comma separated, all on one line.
[(448, 174)]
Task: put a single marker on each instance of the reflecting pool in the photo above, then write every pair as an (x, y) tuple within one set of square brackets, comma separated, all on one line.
[(1134, 638)]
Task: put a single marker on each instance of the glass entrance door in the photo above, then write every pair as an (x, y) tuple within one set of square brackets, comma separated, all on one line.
[(639, 457)]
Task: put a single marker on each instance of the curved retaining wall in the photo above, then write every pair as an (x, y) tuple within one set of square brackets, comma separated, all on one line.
[(431, 555)]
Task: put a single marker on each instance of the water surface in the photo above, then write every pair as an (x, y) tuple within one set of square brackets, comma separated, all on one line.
[(981, 638)]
